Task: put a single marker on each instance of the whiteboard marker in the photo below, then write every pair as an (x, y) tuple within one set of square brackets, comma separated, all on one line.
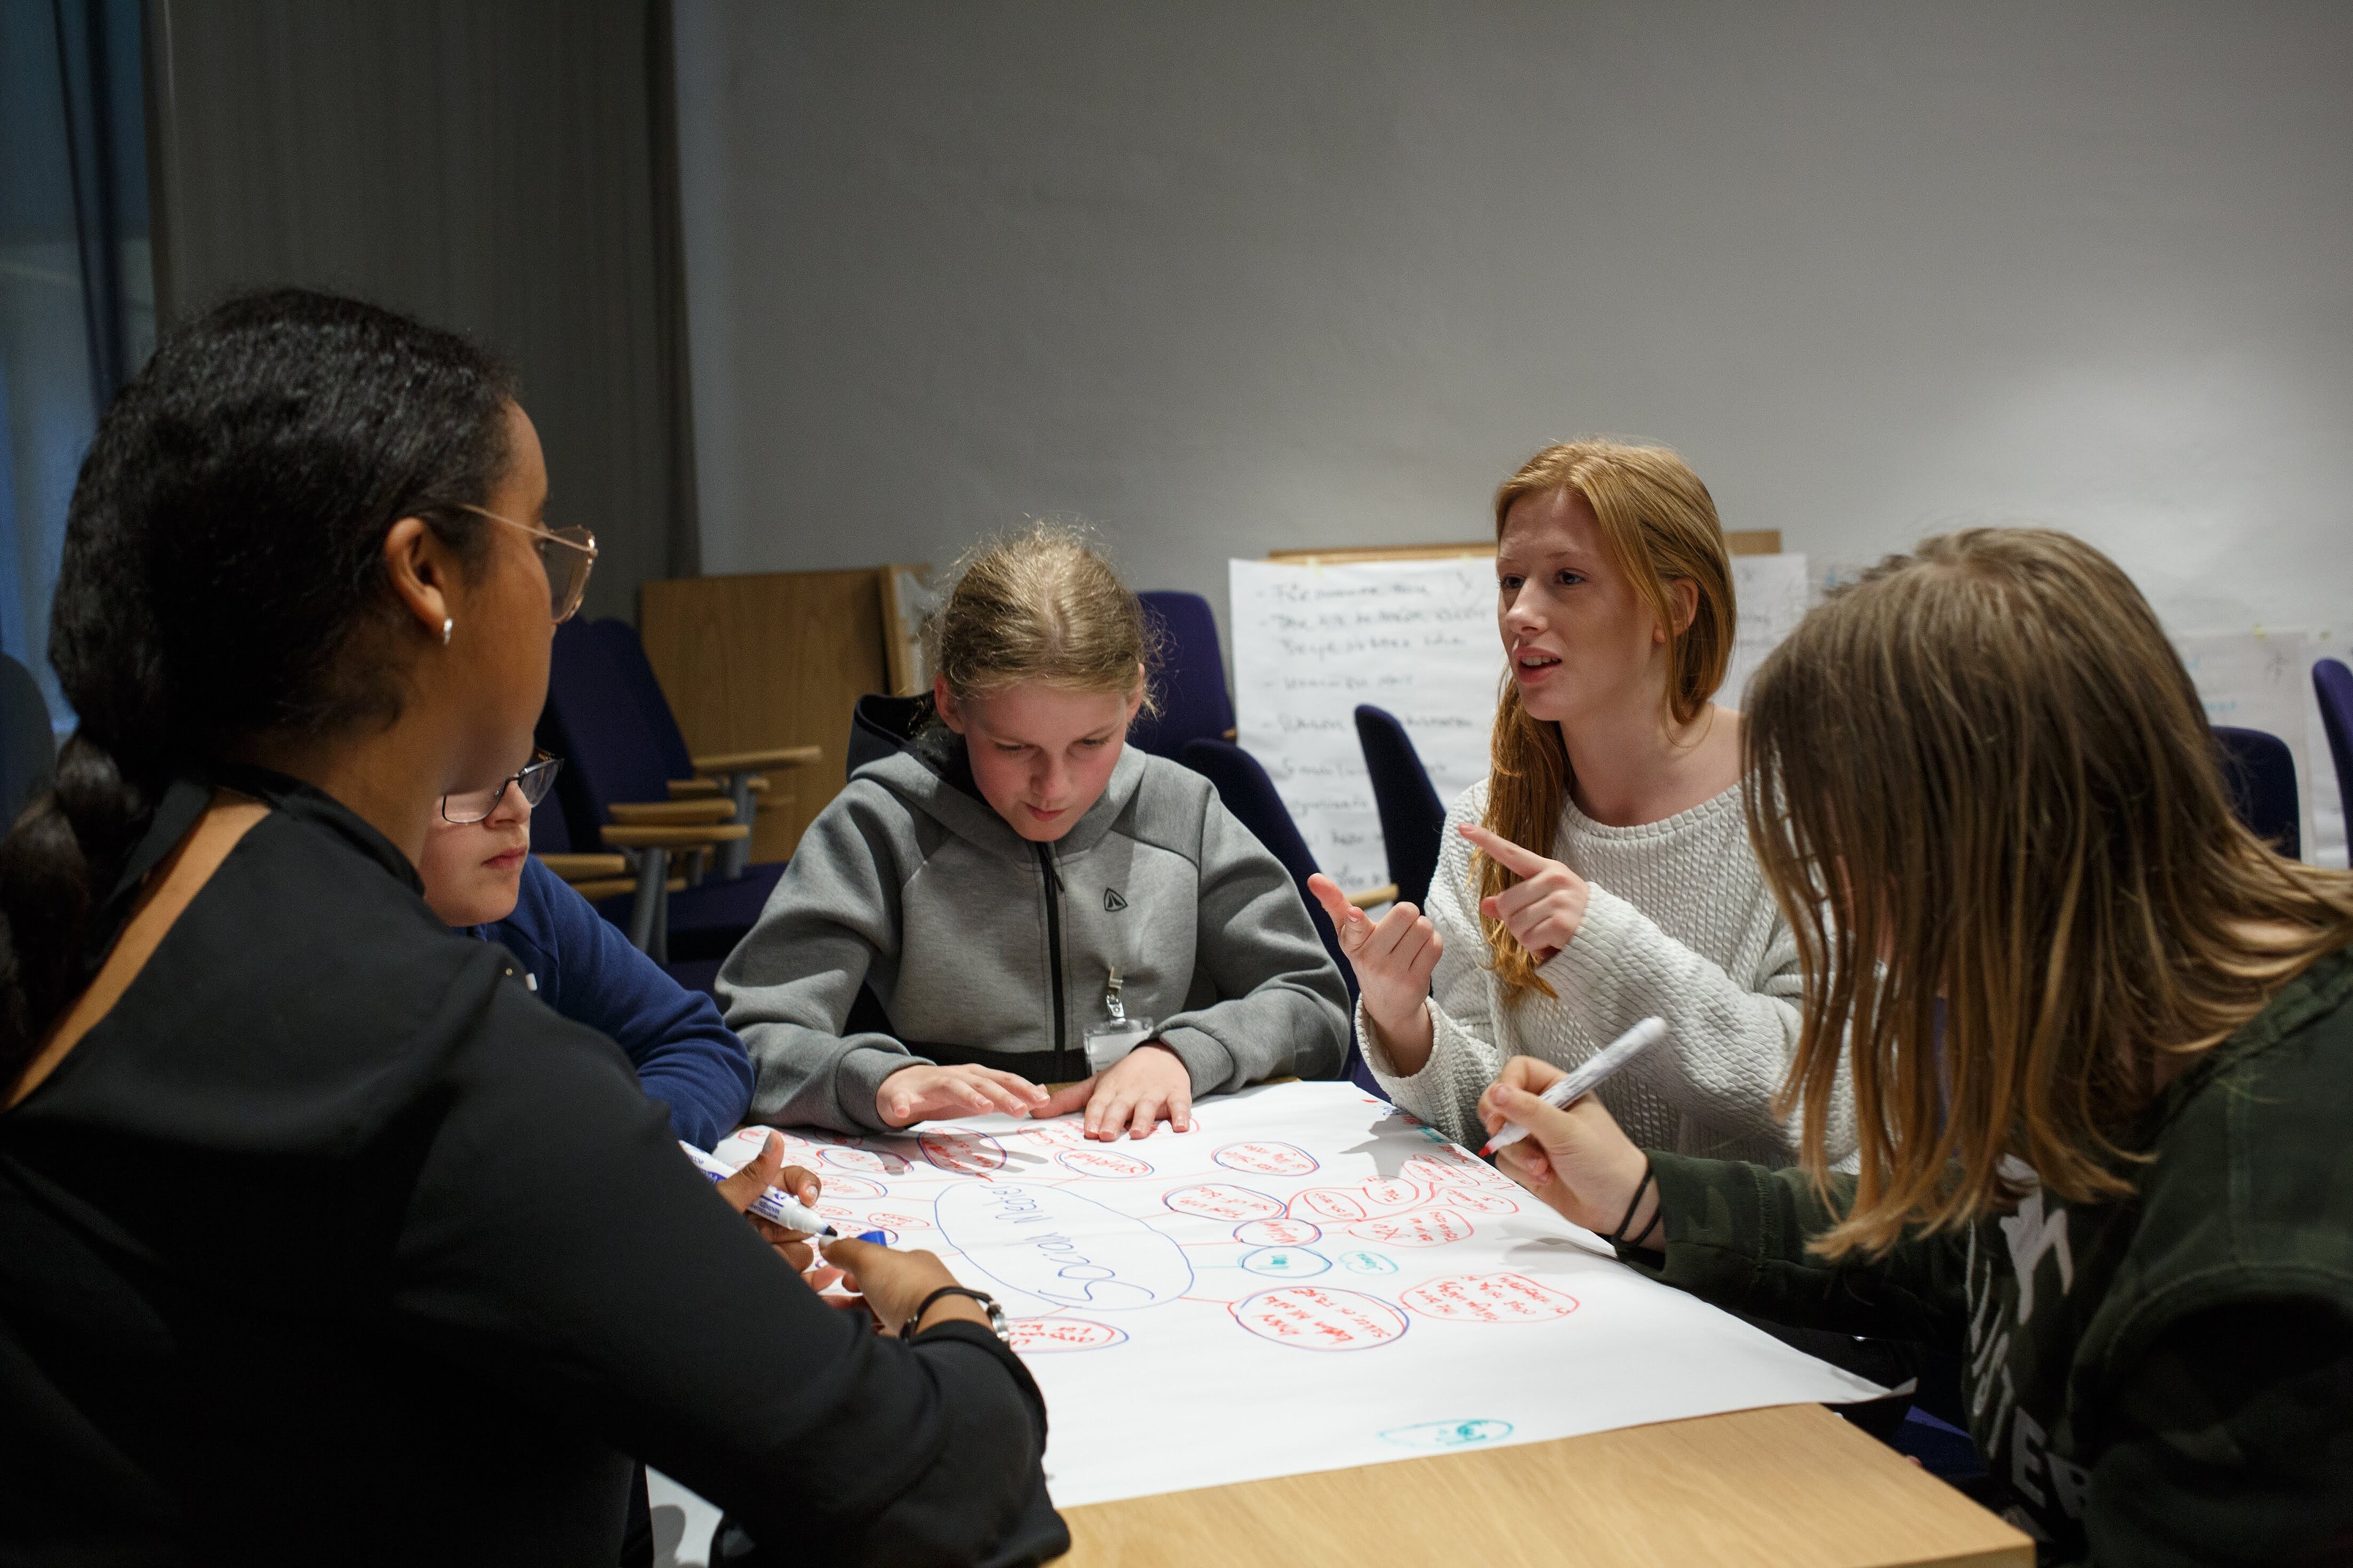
[(1588, 1077), (773, 1204)]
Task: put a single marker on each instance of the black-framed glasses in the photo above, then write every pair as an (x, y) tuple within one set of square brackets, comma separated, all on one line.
[(566, 555), (534, 779)]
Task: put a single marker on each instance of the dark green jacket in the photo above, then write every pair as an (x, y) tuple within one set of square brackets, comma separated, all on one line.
[(2164, 1379)]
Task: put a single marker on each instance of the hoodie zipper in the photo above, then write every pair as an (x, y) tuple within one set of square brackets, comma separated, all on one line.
[(1053, 934)]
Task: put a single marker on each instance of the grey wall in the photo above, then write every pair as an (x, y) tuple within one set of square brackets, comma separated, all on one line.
[(1231, 276), (500, 168)]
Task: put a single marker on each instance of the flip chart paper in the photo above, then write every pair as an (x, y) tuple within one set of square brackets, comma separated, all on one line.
[(1416, 637), (2262, 680), (1309, 1281), (1419, 640)]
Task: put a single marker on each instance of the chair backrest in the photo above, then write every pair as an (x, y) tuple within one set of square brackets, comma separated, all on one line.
[(2332, 683), (1250, 795), (28, 747), (1194, 703), (636, 673), (612, 751), (1412, 816), (2260, 772)]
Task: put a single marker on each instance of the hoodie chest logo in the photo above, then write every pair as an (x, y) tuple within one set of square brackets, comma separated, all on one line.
[(1112, 901)]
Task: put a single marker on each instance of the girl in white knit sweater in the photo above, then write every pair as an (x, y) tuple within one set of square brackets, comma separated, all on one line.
[(1602, 873)]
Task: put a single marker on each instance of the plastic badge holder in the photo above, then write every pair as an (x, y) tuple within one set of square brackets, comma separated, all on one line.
[(1109, 1039)]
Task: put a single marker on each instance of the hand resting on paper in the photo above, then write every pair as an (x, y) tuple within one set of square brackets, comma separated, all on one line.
[(927, 1093), (894, 1284), (1544, 910), (768, 1169), (1131, 1096), (1576, 1158), (1393, 961)]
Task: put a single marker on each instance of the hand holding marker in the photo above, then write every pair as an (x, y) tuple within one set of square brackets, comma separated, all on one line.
[(1587, 1077), (775, 1206)]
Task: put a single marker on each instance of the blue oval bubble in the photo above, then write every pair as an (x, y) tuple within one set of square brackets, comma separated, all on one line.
[(1285, 1262), (1368, 1263), (1433, 1435)]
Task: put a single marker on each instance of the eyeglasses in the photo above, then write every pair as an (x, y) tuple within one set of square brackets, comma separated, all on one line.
[(566, 555), (534, 779)]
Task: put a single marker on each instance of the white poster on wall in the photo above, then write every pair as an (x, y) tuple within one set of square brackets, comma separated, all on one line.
[(1312, 642), (1419, 639), (1773, 593), (2262, 680)]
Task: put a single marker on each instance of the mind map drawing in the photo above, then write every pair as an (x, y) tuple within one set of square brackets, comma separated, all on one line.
[(1309, 1280)]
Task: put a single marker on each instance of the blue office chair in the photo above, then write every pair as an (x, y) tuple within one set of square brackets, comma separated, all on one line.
[(1413, 817), (2260, 772), (1194, 703), (1242, 785), (28, 747), (2333, 684), (607, 719)]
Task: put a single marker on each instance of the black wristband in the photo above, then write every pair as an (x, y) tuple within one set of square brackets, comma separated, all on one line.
[(987, 1305), (1650, 1178)]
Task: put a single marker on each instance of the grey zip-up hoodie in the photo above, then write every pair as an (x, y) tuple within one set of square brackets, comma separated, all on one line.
[(961, 935)]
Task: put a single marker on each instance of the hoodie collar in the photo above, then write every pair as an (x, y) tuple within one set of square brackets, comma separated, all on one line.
[(932, 773)]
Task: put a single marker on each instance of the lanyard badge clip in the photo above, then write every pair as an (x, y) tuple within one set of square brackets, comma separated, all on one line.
[(1111, 1038)]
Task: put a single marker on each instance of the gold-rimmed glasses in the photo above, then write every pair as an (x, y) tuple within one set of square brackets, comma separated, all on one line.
[(566, 555)]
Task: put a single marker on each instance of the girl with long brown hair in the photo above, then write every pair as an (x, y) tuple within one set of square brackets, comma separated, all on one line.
[(2115, 1184), (1600, 875)]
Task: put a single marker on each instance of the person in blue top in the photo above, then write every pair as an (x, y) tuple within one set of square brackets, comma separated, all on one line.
[(479, 875)]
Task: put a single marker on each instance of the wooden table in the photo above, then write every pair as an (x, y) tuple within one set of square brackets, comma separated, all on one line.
[(1793, 1485)]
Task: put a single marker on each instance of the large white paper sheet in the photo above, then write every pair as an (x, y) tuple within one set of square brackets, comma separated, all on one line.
[(1419, 639), (1310, 1280)]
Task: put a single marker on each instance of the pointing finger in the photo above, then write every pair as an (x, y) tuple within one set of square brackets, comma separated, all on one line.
[(1503, 851), (1346, 918)]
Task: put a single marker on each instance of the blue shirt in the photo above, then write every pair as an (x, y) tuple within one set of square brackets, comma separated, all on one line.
[(585, 969)]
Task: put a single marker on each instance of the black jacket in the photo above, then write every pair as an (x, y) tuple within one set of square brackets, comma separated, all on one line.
[(331, 1243)]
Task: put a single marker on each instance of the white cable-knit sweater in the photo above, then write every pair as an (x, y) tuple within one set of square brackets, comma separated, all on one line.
[(1681, 925)]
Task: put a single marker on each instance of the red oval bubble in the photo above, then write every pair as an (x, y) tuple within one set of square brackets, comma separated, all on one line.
[(852, 1187), (1306, 1317), (1215, 1200), (1107, 1163), (1423, 1228), (1033, 1336), (1478, 1202), (1266, 1159), (896, 1220), (1390, 1193), (876, 1162), (1446, 1164), (966, 1153), (1276, 1233), (1488, 1299), (1330, 1202)]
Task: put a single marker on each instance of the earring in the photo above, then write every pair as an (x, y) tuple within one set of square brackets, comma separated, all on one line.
[(447, 625)]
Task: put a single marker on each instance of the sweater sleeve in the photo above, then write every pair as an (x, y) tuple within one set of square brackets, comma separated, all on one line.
[(556, 1244), (1282, 1006), (685, 1058), (1736, 1233), (1730, 1040), (1464, 1057), (790, 985)]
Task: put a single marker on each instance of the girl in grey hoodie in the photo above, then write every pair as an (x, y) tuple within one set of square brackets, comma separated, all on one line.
[(1011, 898)]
